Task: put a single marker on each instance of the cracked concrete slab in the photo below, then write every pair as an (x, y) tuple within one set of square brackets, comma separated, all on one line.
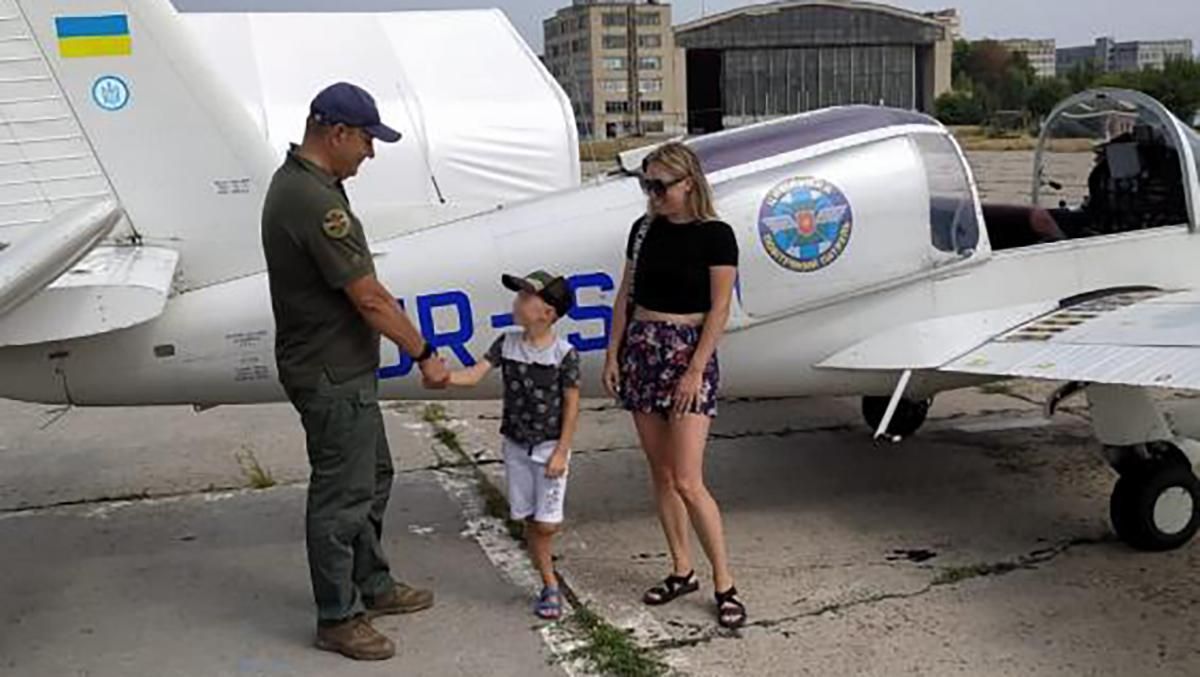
[(973, 548), (195, 586)]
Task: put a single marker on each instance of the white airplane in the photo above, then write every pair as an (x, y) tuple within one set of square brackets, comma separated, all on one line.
[(869, 265)]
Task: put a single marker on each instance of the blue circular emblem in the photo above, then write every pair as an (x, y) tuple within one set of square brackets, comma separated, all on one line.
[(805, 224), (110, 92)]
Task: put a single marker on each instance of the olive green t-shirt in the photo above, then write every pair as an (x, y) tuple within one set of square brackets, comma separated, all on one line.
[(315, 246)]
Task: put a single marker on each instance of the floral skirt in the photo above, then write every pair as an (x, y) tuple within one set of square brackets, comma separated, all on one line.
[(654, 357)]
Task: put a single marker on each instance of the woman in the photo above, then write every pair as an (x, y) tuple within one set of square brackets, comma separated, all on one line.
[(670, 314)]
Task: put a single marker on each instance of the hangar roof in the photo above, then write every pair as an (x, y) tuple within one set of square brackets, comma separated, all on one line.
[(804, 23)]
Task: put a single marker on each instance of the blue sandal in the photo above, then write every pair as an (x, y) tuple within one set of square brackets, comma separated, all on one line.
[(549, 606)]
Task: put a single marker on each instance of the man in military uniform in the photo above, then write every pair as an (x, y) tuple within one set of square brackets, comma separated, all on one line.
[(329, 313)]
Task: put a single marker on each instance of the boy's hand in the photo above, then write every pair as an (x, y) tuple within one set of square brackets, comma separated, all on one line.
[(556, 467)]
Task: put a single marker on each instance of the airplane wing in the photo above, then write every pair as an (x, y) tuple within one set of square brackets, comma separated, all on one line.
[(1141, 337)]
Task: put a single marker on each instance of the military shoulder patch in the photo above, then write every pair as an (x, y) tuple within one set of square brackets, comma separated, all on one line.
[(336, 224)]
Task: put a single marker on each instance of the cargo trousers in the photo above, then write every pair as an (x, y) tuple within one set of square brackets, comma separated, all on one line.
[(349, 486)]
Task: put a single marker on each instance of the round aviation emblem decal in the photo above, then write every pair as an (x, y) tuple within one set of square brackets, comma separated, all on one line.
[(110, 92), (805, 224)]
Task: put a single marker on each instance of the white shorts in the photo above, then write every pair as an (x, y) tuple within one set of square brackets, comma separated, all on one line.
[(532, 495)]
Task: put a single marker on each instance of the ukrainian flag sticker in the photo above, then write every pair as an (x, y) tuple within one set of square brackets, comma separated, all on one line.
[(88, 36)]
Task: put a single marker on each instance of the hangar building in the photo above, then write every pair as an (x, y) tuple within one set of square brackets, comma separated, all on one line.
[(779, 58)]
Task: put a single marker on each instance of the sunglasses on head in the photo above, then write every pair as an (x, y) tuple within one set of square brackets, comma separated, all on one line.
[(657, 187)]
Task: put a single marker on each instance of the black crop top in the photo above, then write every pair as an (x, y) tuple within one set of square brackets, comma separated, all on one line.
[(672, 268)]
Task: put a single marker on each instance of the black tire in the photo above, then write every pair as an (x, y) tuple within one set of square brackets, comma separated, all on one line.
[(1149, 504), (910, 414)]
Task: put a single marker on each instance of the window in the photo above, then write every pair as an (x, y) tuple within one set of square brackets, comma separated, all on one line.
[(614, 86), (650, 41), (615, 42), (614, 63), (652, 85), (649, 19), (952, 218), (616, 107), (614, 19), (650, 63), (653, 127), (651, 106)]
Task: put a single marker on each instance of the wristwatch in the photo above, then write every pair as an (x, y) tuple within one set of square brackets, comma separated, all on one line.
[(426, 353)]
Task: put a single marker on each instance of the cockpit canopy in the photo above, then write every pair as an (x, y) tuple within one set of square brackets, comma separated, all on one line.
[(1143, 166)]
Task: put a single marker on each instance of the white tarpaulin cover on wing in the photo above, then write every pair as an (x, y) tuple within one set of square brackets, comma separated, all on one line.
[(483, 122)]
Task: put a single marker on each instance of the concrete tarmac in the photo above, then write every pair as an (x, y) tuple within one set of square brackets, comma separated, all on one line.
[(147, 571), (980, 546)]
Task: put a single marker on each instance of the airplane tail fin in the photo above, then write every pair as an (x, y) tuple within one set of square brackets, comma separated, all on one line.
[(112, 98)]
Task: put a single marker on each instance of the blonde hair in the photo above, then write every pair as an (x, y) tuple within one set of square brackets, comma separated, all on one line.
[(683, 163)]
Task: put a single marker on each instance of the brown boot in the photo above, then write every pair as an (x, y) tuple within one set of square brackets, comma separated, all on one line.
[(400, 599), (355, 638)]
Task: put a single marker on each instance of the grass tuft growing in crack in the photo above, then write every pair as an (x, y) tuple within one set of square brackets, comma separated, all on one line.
[(257, 475), (606, 649), (958, 574), (609, 650), (494, 501), (434, 414), (952, 575)]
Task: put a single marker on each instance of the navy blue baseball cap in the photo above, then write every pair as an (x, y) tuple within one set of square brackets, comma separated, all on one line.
[(351, 105)]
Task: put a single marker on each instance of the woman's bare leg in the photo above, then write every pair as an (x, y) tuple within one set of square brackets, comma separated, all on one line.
[(653, 432), (686, 439)]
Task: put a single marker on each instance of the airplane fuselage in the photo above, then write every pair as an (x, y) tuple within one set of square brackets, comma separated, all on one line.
[(215, 345)]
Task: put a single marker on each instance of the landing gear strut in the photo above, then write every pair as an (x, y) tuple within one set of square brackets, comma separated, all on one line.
[(910, 414)]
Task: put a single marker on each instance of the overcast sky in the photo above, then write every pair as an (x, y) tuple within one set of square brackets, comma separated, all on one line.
[(1071, 22)]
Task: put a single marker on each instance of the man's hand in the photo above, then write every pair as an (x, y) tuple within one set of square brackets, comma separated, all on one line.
[(434, 374), (556, 467)]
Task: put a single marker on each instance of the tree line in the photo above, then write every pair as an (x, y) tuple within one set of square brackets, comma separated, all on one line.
[(992, 81)]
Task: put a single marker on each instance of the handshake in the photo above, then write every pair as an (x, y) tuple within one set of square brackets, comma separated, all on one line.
[(434, 373)]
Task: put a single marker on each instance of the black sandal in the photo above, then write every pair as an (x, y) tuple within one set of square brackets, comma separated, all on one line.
[(731, 613), (671, 588)]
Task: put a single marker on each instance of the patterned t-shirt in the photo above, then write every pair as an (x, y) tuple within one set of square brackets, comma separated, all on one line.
[(534, 380)]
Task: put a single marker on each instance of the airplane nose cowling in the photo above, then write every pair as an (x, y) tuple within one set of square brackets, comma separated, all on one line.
[(31, 374)]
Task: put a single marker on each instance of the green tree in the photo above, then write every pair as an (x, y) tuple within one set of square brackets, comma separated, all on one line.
[(999, 77), (1176, 85), (959, 108), (958, 65), (1083, 76), (1045, 94)]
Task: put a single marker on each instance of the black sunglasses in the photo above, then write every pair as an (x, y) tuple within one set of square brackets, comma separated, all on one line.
[(657, 187)]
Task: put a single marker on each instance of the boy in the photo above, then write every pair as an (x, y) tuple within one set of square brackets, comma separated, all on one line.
[(541, 410)]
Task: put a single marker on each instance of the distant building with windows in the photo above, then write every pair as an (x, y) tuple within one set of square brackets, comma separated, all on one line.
[(1042, 54), (1110, 56), (616, 60)]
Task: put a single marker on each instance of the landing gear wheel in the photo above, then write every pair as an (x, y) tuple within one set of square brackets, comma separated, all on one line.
[(1156, 507), (910, 414)]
